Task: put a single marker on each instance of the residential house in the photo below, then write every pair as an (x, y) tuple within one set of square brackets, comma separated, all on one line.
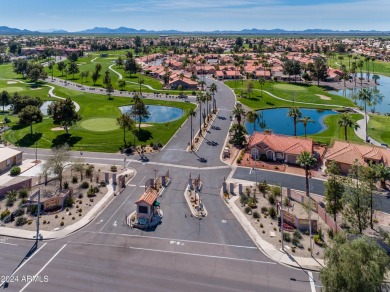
[(9, 157), (276, 147)]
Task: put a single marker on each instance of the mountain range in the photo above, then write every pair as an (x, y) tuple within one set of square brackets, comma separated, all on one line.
[(5, 30)]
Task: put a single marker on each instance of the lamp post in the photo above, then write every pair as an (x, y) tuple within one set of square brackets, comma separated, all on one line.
[(310, 232), (155, 177), (39, 214), (36, 153)]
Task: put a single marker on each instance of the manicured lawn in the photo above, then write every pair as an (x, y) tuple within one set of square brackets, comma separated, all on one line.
[(335, 132), (99, 108), (379, 128), (289, 92)]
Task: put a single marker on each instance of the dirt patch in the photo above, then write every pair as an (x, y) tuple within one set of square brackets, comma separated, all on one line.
[(58, 129), (324, 97)]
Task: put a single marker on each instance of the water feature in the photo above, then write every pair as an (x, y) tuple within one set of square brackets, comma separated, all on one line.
[(278, 121), (158, 113), (45, 107), (382, 91)]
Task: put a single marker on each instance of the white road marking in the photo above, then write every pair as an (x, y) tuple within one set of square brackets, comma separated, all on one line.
[(250, 171), (174, 252), (8, 243), (312, 287), (1, 284), (117, 210), (114, 224), (52, 258), (174, 240), (99, 222)]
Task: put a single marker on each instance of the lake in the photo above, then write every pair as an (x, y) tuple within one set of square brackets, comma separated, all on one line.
[(279, 122), (158, 113), (383, 89)]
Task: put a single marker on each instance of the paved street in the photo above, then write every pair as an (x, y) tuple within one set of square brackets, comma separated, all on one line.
[(181, 254)]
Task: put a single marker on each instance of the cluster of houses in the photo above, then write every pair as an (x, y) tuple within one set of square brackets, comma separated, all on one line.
[(285, 149)]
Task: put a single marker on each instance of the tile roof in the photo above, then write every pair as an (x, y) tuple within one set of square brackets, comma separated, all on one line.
[(348, 153), (148, 197), (281, 143)]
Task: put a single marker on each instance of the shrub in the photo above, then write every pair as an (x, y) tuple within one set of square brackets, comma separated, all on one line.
[(11, 198), (85, 185), (297, 235), (66, 185), (261, 225), (274, 228), (74, 180), (276, 191), (318, 240), (286, 202), (256, 215), (70, 213), (5, 214), (263, 231), (67, 209), (243, 199), (73, 218), (80, 214), (21, 221), (114, 168), (33, 209), (286, 237), (248, 210), (62, 218), (80, 210), (272, 212), (264, 210), (18, 212), (159, 145), (15, 171), (23, 194), (252, 202), (44, 222), (62, 223), (295, 241), (330, 233), (80, 196), (56, 216), (91, 200), (151, 144), (103, 183), (276, 167), (271, 199)]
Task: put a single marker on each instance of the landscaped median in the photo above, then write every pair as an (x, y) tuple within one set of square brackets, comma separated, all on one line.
[(193, 199)]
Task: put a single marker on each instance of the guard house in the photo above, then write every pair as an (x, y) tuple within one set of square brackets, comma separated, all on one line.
[(148, 208)]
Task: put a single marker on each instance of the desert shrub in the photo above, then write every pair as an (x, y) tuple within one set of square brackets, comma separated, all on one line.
[(261, 225), (15, 171), (256, 215), (159, 145), (286, 202), (243, 199), (69, 203), (286, 237), (80, 196), (19, 212), (276, 191), (252, 202), (56, 216), (44, 222), (73, 218), (74, 179), (62, 223), (85, 185), (272, 212), (21, 221), (330, 233), (103, 183), (271, 199), (11, 198), (264, 210), (23, 193), (66, 185), (114, 168), (297, 235), (4, 214), (248, 210)]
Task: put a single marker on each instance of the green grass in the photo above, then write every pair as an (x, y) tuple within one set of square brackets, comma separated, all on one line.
[(96, 107), (99, 125), (335, 132), (379, 128), (290, 92)]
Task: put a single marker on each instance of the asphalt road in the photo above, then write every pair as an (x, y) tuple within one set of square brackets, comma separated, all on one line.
[(181, 254)]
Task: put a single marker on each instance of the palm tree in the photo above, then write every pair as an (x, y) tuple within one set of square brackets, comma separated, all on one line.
[(238, 112), (125, 122), (341, 58), (306, 160), (365, 95), (305, 121), (345, 120), (360, 66), (191, 114), (202, 83), (382, 173), (295, 113), (376, 77), (207, 98), (261, 82), (253, 117), (200, 98), (367, 60), (140, 82), (213, 90)]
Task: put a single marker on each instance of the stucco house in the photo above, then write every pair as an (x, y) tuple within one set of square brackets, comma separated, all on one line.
[(9, 157), (346, 153), (276, 147)]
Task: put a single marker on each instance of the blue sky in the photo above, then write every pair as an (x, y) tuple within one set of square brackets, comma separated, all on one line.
[(192, 15)]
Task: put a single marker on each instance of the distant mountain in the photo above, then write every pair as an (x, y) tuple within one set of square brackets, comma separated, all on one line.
[(253, 31)]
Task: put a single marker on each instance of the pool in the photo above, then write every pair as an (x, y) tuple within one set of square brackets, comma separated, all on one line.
[(158, 113), (279, 122)]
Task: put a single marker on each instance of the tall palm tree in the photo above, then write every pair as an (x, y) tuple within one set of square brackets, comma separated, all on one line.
[(345, 120), (365, 95), (360, 66), (341, 58), (140, 82), (295, 113), (207, 98), (305, 121), (253, 117), (125, 122), (306, 160), (261, 82), (376, 77), (200, 98), (238, 112), (367, 60), (191, 114), (213, 90)]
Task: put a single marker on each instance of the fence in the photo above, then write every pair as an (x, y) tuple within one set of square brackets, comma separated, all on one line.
[(24, 184)]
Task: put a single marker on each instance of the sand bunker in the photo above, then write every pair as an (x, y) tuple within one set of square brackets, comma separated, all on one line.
[(12, 82), (58, 129), (324, 97), (36, 88), (146, 125)]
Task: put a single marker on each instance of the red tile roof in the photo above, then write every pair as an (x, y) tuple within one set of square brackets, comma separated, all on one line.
[(281, 143), (148, 197)]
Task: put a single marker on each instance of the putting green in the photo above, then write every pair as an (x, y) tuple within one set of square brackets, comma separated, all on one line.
[(289, 87), (99, 125), (12, 89)]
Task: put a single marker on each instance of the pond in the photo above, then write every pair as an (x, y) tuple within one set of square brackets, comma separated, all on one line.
[(158, 113), (381, 91), (44, 107), (279, 122)]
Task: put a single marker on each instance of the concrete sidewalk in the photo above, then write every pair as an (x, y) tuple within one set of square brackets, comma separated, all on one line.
[(268, 249), (62, 232)]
